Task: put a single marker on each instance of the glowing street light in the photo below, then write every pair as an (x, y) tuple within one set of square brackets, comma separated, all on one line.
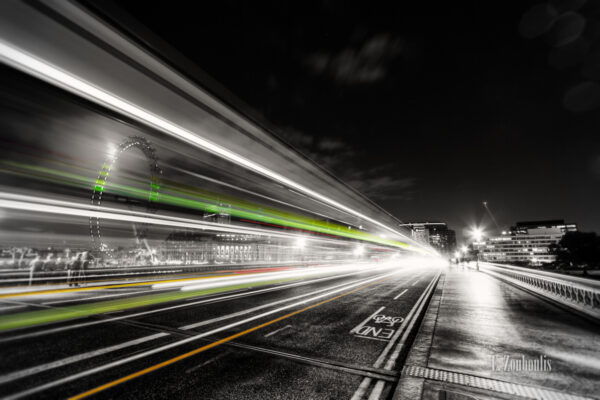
[(464, 249), (477, 234)]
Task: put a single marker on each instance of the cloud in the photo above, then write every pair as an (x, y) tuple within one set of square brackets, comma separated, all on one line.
[(378, 183), (330, 153), (367, 63), (298, 139), (330, 144)]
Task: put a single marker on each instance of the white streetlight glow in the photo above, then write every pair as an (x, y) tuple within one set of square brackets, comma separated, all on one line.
[(477, 233)]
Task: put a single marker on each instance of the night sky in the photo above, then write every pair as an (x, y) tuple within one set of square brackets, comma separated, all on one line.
[(427, 109)]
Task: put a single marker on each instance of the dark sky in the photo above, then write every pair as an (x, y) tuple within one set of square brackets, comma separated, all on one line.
[(428, 109)]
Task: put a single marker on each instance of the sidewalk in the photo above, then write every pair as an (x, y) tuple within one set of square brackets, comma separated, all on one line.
[(476, 333)]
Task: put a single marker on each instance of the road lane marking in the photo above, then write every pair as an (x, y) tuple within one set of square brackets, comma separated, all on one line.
[(70, 360), (366, 382), (92, 371), (44, 367), (87, 355), (415, 282), (12, 307), (373, 338), (207, 362), (278, 330), (253, 309), (357, 327), (59, 363), (404, 291), (375, 330), (25, 304), (218, 342), (143, 313)]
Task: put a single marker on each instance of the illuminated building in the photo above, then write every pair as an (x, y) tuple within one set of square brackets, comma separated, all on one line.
[(527, 242), (436, 234)]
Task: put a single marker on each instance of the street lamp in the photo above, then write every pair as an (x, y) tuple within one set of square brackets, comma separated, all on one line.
[(477, 235)]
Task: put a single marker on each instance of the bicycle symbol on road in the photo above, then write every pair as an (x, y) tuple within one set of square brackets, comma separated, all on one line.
[(387, 320)]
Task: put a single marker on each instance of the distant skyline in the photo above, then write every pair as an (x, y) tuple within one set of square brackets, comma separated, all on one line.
[(427, 109)]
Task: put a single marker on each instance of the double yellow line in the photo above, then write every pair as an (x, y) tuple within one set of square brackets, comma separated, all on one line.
[(210, 346)]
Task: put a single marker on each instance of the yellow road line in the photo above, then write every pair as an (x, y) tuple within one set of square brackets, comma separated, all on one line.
[(81, 289), (208, 346)]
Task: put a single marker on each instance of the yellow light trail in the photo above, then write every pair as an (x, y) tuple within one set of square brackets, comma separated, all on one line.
[(119, 285)]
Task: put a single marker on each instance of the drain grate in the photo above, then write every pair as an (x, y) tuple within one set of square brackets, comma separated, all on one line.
[(530, 392)]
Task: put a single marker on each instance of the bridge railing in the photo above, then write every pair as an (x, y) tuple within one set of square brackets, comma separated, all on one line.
[(579, 294)]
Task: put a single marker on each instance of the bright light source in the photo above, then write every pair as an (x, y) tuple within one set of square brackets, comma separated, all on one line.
[(112, 150), (359, 251), (476, 233), (457, 254), (464, 249), (300, 242)]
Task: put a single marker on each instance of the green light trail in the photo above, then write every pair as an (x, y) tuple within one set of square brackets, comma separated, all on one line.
[(188, 197), (50, 315)]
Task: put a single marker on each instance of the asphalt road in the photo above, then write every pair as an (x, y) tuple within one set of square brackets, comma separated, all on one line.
[(287, 336)]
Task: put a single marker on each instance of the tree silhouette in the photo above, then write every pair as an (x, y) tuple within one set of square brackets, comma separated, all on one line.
[(577, 250)]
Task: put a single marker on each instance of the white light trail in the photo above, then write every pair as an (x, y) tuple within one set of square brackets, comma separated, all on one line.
[(272, 276), (181, 342), (60, 207), (25, 62)]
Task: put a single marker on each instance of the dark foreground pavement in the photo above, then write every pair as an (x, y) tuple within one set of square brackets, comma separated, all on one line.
[(476, 334), (319, 339)]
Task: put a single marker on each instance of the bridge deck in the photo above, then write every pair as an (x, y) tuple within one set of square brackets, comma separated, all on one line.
[(477, 331)]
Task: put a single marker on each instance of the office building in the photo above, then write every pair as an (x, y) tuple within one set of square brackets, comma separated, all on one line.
[(436, 234), (526, 242)]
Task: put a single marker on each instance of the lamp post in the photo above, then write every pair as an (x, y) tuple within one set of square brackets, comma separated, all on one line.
[(477, 235)]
